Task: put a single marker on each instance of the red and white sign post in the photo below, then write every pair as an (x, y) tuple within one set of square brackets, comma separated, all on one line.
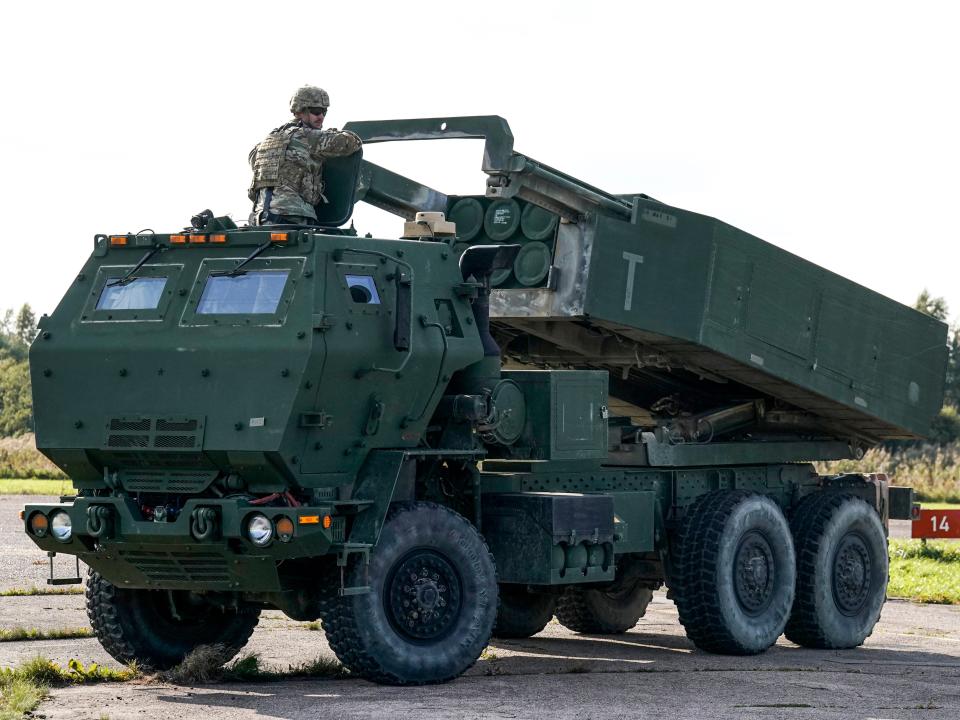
[(936, 524)]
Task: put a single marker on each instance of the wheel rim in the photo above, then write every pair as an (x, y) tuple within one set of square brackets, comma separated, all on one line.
[(852, 570), (423, 598), (753, 569)]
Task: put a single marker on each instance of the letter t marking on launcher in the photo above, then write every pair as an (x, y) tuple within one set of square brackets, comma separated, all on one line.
[(632, 262)]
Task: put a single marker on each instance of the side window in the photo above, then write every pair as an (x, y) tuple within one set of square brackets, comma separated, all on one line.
[(142, 293), (144, 296), (261, 294), (363, 289), (252, 293)]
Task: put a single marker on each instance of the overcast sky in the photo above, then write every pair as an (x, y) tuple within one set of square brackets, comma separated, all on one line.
[(829, 129)]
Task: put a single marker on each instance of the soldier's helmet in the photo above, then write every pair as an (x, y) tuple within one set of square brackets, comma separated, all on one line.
[(309, 96)]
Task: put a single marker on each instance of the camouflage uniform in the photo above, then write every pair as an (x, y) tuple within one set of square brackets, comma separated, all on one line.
[(288, 170)]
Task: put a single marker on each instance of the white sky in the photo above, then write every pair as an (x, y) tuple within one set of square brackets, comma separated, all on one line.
[(829, 129)]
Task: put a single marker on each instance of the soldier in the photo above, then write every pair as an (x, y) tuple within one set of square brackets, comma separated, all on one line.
[(288, 165)]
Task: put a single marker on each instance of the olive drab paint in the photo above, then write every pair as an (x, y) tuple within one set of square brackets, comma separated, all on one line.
[(577, 398)]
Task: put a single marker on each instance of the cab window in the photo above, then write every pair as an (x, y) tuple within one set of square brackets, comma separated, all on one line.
[(363, 289), (256, 292), (142, 293)]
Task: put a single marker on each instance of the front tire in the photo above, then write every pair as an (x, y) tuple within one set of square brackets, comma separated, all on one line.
[(736, 573), (842, 570), (431, 605), (158, 628)]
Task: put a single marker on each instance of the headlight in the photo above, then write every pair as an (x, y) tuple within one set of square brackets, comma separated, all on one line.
[(259, 530), (61, 527)]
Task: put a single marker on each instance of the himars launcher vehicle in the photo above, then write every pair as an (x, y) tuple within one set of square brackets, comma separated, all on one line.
[(551, 402)]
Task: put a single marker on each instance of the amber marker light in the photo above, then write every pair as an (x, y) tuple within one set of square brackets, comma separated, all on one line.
[(278, 237), (219, 238), (327, 522), (39, 524), (284, 529), (197, 239), (309, 519), (178, 239), (118, 239)]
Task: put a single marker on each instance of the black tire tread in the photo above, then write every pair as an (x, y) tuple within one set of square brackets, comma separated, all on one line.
[(807, 525), (522, 614), (340, 624), (576, 612), (127, 643), (697, 551)]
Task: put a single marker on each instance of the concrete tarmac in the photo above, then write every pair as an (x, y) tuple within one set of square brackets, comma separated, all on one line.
[(908, 668)]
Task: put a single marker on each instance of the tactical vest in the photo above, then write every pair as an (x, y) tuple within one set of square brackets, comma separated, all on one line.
[(276, 164)]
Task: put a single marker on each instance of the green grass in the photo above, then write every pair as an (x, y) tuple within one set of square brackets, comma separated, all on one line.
[(32, 486), (927, 573), (205, 665), (18, 697), (34, 590), (23, 688), (22, 633)]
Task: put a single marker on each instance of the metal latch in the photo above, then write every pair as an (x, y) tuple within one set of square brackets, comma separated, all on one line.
[(315, 420), (323, 322)]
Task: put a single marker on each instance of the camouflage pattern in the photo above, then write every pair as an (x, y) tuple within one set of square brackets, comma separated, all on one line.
[(309, 96), (290, 160)]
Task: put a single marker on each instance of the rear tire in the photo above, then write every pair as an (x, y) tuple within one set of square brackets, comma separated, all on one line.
[(158, 628), (611, 611), (522, 613), (842, 570), (432, 600), (735, 573)]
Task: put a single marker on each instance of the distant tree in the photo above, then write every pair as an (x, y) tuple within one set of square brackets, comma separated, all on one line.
[(935, 306), (16, 413), (26, 324)]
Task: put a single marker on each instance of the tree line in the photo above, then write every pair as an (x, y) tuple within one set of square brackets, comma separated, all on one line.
[(17, 329)]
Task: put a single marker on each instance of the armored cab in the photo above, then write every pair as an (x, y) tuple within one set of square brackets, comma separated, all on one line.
[(545, 399)]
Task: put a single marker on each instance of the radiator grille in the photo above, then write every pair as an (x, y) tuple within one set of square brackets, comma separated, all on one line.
[(142, 425), (175, 441), (128, 441), (176, 426), (155, 433), (177, 482), (337, 529), (161, 567)]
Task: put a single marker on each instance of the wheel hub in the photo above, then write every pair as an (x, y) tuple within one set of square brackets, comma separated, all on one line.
[(753, 573), (852, 570), (423, 599)]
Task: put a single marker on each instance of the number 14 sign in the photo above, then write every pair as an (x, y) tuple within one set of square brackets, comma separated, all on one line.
[(936, 524)]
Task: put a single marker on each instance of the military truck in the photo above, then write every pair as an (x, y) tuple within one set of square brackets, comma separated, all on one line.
[(543, 399)]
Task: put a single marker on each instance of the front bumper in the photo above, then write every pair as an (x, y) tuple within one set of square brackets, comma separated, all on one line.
[(136, 553)]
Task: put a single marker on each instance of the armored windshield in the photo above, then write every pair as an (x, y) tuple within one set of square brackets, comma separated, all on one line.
[(142, 293), (253, 293)]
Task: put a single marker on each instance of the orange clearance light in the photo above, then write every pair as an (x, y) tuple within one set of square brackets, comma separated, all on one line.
[(39, 524), (178, 239), (118, 240), (218, 238), (278, 237), (22, 514), (284, 529), (309, 519), (327, 522), (197, 239)]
